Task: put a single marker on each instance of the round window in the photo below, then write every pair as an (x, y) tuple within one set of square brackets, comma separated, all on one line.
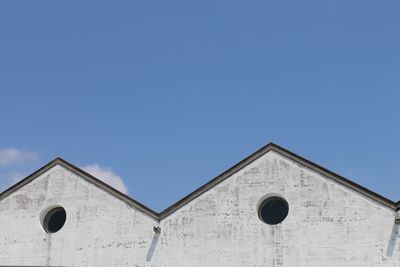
[(273, 210), (54, 220)]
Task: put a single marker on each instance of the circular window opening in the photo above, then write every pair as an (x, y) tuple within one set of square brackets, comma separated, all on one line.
[(273, 210), (54, 220)]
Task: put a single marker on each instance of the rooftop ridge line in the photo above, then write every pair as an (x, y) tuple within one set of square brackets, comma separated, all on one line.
[(395, 206)]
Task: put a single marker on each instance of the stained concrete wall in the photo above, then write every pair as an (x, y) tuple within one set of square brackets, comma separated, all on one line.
[(100, 230), (328, 224)]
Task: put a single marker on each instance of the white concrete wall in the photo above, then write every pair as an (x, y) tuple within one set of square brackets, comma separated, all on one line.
[(100, 229), (328, 225)]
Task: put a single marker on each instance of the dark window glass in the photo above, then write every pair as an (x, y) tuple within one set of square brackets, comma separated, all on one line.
[(54, 220), (273, 210)]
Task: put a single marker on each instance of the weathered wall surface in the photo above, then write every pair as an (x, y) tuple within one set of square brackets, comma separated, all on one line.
[(328, 225), (100, 230)]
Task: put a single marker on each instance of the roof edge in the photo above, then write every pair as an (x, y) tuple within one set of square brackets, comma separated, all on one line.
[(204, 188), (338, 178), (286, 153), (28, 178), (86, 176)]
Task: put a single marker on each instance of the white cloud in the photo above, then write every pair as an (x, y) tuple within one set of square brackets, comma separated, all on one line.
[(10, 156), (107, 176)]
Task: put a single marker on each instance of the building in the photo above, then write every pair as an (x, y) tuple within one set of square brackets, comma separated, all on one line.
[(273, 208)]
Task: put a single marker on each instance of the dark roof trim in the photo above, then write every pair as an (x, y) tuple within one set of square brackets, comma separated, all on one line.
[(168, 211), (87, 177), (280, 150)]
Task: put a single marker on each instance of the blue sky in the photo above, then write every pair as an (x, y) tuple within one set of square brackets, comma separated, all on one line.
[(165, 95)]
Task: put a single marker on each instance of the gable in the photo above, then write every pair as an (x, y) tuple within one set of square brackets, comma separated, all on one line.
[(85, 176), (221, 226), (275, 174), (98, 226), (293, 157)]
